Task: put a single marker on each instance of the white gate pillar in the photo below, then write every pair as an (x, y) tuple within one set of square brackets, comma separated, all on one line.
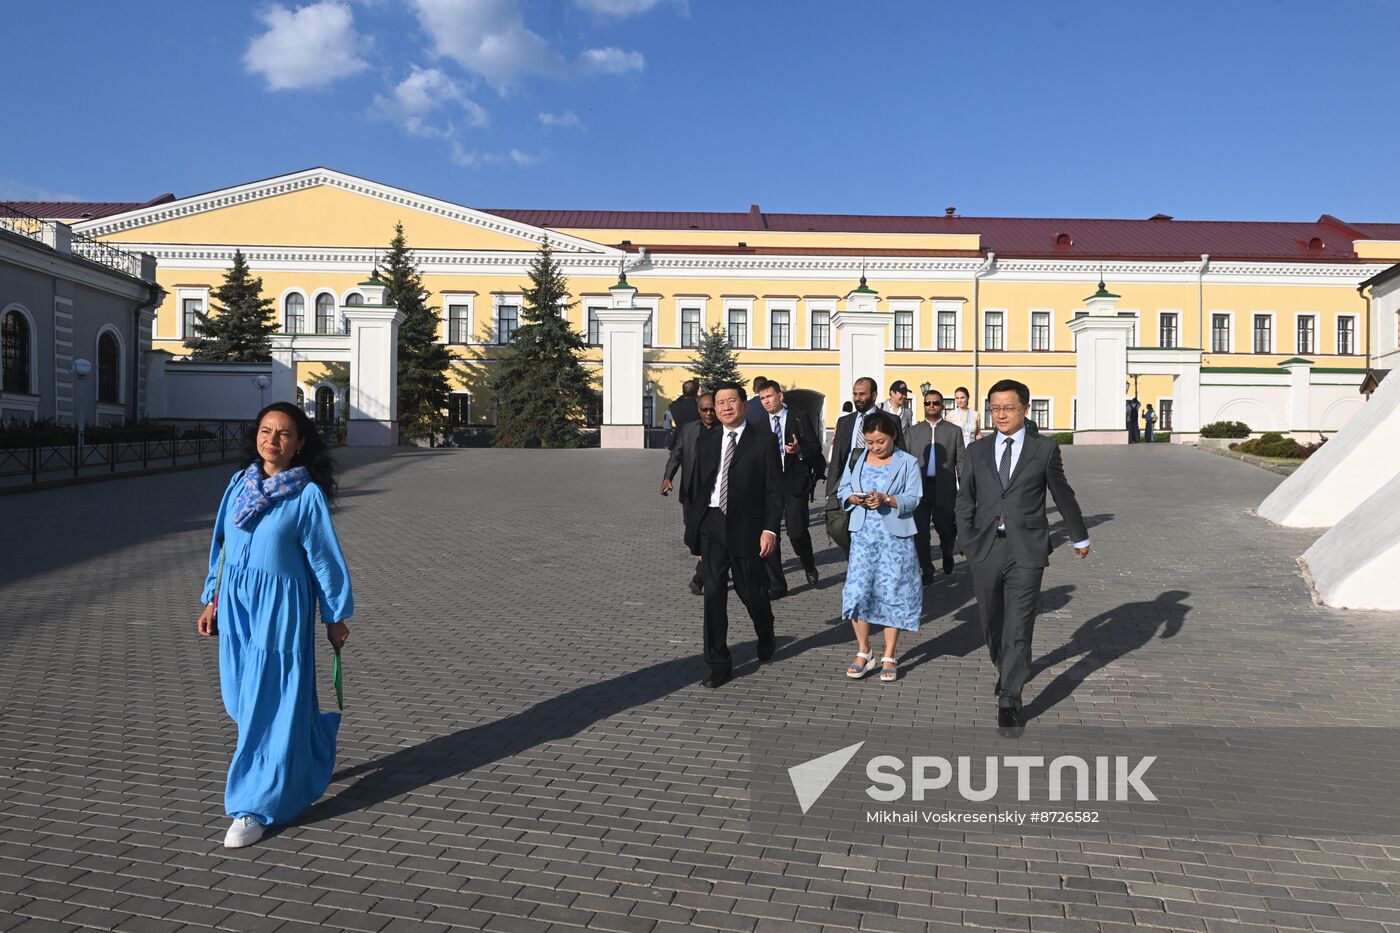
[(374, 369), (622, 327), (1101, 350), (862, 332)]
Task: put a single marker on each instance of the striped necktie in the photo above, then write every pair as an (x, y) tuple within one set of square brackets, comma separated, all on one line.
[(724, 471), (858, 441), (1004, 472)]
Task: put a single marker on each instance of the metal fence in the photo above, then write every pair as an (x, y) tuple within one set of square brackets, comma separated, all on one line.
[(52, 452)]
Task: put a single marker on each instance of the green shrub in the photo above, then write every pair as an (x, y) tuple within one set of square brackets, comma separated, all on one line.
[(1062, 438), (1272, 444), (1160, 438), (1225, 429)]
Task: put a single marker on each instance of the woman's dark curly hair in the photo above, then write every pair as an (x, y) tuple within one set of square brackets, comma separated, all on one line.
[(314, 455)]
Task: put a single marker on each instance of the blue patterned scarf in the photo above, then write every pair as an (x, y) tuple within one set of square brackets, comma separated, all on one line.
[(258, 494)]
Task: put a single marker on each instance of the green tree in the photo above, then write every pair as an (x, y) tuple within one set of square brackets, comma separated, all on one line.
[(241, 331), (540, 385), (423, 362), (714, 359)]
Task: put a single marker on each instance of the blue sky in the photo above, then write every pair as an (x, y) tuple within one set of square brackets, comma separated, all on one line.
[(1242, 110)]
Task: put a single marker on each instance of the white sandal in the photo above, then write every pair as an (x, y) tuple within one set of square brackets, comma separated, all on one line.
[(870, 665), (889, 675)]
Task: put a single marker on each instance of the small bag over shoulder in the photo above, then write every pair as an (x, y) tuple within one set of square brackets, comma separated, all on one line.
[(838, 520)]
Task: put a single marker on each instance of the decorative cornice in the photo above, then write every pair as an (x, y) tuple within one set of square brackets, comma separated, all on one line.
[(300, 181)]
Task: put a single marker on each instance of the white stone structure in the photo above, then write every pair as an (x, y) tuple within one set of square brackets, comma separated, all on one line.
[(862, 332), (1353, 566), (623, 358), (374, 369), (195, 390)]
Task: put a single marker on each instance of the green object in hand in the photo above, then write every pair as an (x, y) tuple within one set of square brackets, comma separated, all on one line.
[(339, 684)]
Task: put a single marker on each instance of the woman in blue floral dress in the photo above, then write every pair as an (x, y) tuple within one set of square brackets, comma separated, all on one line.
[(883, 585)]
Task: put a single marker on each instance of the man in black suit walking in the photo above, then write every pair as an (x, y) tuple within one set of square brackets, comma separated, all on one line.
[(939, 446), (736, 503), (848, 435), (1005, 534), (682, 457), (798, 449)]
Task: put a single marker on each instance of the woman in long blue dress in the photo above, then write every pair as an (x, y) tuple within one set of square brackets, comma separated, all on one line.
[(274, 559), (883, 584)]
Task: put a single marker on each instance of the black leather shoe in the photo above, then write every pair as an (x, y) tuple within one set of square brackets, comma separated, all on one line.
[(812, 577), (947, 566), (718, 679), (996, 691), (765, 653), (777, 592), (697, 587), (1009, 717), (928, 578)]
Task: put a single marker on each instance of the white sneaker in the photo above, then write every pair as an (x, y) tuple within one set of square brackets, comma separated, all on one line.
[(244, 832)]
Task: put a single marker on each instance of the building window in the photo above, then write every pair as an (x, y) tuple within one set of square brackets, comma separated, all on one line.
[(295, 306), (738, 328), (821, 330), (457, 324), (1164, 414), (1167, 337), (325, 314), (1040, 412), (301, 398), (593, 411), (325, 405), (1220, 333), (1263, 333), (646, 329), (780, 330), (1040, 331), (507, 321), (354, 300), (595, 329), (1346, 335), (1307, 336), (690, 327), (109, 369), (649, 411), (190, 310), (904, 330), (993, 328), (459, 409), (947, 330), (14, 353)]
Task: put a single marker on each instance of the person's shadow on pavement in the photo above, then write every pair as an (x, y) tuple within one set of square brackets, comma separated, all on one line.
[(1104, 639)]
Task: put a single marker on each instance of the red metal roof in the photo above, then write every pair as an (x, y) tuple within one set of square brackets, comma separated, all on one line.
[(84, 210), (1326, 239)]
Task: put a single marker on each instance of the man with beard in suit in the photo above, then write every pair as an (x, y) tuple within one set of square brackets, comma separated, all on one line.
[(849, 435), (939, 446), (682, 457), (1004, 533), (798, 450), (736, 503)]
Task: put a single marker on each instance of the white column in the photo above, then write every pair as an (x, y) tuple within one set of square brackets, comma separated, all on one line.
[(374, 375), (1186, 391), (1299, 386), (284, 369), (622, 377), (861, 337), (1101, 340)]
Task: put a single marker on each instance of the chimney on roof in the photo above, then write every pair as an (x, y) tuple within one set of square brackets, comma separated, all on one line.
[(950, 212), (1160, 217), (756, 215)]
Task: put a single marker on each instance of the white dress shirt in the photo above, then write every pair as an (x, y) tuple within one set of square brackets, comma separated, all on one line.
[(1018, 443), (723, 443), (780, 434)]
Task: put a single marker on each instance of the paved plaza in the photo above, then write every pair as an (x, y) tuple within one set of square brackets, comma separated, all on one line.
[(526, 746)]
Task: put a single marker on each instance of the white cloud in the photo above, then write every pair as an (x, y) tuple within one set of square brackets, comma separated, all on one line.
[(611, 61), (620, 8), (566, 119), (423, 92), (487, 37), (311, 47), (475, 158)]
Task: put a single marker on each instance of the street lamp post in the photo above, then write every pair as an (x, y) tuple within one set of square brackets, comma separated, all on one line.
[(81, 369), (262, 382)]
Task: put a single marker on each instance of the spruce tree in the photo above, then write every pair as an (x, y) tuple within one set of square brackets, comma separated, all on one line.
[(540, 385), (241, 330), (423, 362), (714, 361)]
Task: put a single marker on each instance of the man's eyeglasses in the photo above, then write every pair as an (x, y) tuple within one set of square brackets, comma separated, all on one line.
[(1005, 409)]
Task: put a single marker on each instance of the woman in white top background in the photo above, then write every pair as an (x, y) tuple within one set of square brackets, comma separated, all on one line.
[(965, 416)]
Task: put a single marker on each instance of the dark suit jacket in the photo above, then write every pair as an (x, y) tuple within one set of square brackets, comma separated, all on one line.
[(841, 450), (946, 446), (797, 468), (981, 502), (683, 455), (755, 489)]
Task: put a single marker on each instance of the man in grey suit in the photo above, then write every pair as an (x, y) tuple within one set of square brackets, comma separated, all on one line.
[(1004, 533), (939, 446), (683, 453)]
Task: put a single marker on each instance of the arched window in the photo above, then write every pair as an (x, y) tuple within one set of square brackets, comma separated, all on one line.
[(325, 405), (15, 359), (296, 313), (354, 299), (109, 368), (325, 314), (301, 398)]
